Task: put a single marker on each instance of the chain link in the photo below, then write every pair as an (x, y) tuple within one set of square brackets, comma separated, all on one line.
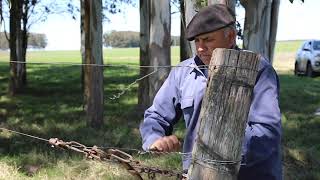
[(133, 166)]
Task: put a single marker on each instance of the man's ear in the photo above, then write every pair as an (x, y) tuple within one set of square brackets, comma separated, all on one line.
[(232, 37)]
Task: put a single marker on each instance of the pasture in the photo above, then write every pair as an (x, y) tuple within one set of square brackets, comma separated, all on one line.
[(51, 106)]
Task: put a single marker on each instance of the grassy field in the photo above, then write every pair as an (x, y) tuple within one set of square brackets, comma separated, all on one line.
[(51, 106)]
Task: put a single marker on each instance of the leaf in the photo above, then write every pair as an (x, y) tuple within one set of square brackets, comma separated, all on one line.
[(293, 0)]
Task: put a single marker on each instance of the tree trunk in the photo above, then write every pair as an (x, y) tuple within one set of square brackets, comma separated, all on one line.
[(143, 92), (159, 44), (260, 26), (230, 3), (17, 70), (25, 37), (191, 8), (222, 121), (82, 45), (1, 14), (185, 47), (93, 75)]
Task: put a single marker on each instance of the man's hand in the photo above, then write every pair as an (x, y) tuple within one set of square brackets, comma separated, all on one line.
[(166, 144)]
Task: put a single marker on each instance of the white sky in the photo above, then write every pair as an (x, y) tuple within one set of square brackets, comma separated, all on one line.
[(296, 21)]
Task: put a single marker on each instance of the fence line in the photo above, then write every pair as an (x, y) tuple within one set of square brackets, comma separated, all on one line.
[(99, 65), (124, 90), (126, 65)]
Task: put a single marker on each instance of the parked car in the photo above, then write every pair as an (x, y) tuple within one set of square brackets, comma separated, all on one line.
[(308, 59)]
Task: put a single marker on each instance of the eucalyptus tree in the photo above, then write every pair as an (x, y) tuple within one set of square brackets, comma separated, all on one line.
[(260, 26), (159, 43), (92, 16), (143, 90), (155, 46), (92, 54), (22, 14)]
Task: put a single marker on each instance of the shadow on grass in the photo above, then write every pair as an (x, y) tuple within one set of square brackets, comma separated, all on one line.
[(51, 106), (299, 99)]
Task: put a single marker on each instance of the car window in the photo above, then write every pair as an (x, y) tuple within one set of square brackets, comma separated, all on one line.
[(307, 45), (316, 45)]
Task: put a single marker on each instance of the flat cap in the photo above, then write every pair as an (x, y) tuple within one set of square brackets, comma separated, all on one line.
[(208, 19)]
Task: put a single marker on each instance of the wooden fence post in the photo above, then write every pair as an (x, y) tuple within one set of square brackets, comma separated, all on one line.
[(216, 153)]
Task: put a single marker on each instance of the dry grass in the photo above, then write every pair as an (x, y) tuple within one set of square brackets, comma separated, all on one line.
[(9, 172), (284, 62)]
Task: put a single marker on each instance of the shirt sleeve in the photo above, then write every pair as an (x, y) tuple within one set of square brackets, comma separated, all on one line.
[(163, 114), (263, 131)]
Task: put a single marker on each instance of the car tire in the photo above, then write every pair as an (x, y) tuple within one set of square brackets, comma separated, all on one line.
[(296, 71), (309, 70)]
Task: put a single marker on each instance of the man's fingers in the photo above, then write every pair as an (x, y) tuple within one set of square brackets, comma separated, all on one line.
[(166, 144), (176, 143), (173, 143), (159, 145)]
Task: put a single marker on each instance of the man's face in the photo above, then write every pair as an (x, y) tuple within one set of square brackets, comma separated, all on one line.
[(206, 43)]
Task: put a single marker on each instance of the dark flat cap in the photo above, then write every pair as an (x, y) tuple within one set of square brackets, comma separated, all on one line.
[(208, 19)]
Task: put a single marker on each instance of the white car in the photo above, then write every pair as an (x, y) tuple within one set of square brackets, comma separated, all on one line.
[(308, 59)]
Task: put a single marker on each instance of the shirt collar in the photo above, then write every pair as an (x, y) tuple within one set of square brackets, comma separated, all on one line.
[(198, 61)]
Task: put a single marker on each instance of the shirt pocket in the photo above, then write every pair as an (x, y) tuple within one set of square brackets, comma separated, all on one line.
[(186, 102)]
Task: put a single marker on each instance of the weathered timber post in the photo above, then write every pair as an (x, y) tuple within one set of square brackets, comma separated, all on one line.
[(217, 151)]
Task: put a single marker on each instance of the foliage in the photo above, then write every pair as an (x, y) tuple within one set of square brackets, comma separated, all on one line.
[(293, 0), (36, 40), (52, 107), (121, 39)]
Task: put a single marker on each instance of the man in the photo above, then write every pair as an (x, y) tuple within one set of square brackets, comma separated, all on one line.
[(181, 94)]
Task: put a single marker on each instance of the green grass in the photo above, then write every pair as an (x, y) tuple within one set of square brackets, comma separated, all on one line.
[(51, 106)]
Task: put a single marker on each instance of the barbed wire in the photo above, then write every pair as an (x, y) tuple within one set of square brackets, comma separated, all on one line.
[(130, 65), (98, 65), (114, 97), (127, 88), (187, 155)]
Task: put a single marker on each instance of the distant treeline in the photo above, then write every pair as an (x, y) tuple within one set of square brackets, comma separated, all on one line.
[(35, 40), (128, 39)]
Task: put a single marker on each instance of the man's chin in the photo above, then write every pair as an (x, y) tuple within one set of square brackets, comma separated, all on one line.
[(206, 61)]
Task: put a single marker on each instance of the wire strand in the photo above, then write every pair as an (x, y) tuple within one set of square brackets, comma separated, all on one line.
[(24, 134), (130, 66), (114, 97)]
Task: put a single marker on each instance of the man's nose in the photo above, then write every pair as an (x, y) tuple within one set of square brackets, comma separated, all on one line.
[(201, 46)]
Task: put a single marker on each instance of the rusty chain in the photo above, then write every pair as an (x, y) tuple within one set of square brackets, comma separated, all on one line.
[(134, 167), (114, 154)]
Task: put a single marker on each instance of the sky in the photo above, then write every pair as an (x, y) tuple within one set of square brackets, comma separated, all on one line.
[(296, 21)]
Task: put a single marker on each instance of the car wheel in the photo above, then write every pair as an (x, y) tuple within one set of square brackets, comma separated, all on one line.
[(309, 71), (296, 72)]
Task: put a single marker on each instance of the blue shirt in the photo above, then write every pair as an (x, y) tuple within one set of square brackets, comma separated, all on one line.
[(181, 95)]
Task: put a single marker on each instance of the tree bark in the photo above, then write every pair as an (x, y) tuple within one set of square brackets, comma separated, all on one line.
[(17, 70), (159, 44), (93, 75), (83, 40), (230, 3), (143, 91), (1, 14), (25, 36), (260, 26), (155, 42), (191, 8), (185, 47), (223, 115)]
